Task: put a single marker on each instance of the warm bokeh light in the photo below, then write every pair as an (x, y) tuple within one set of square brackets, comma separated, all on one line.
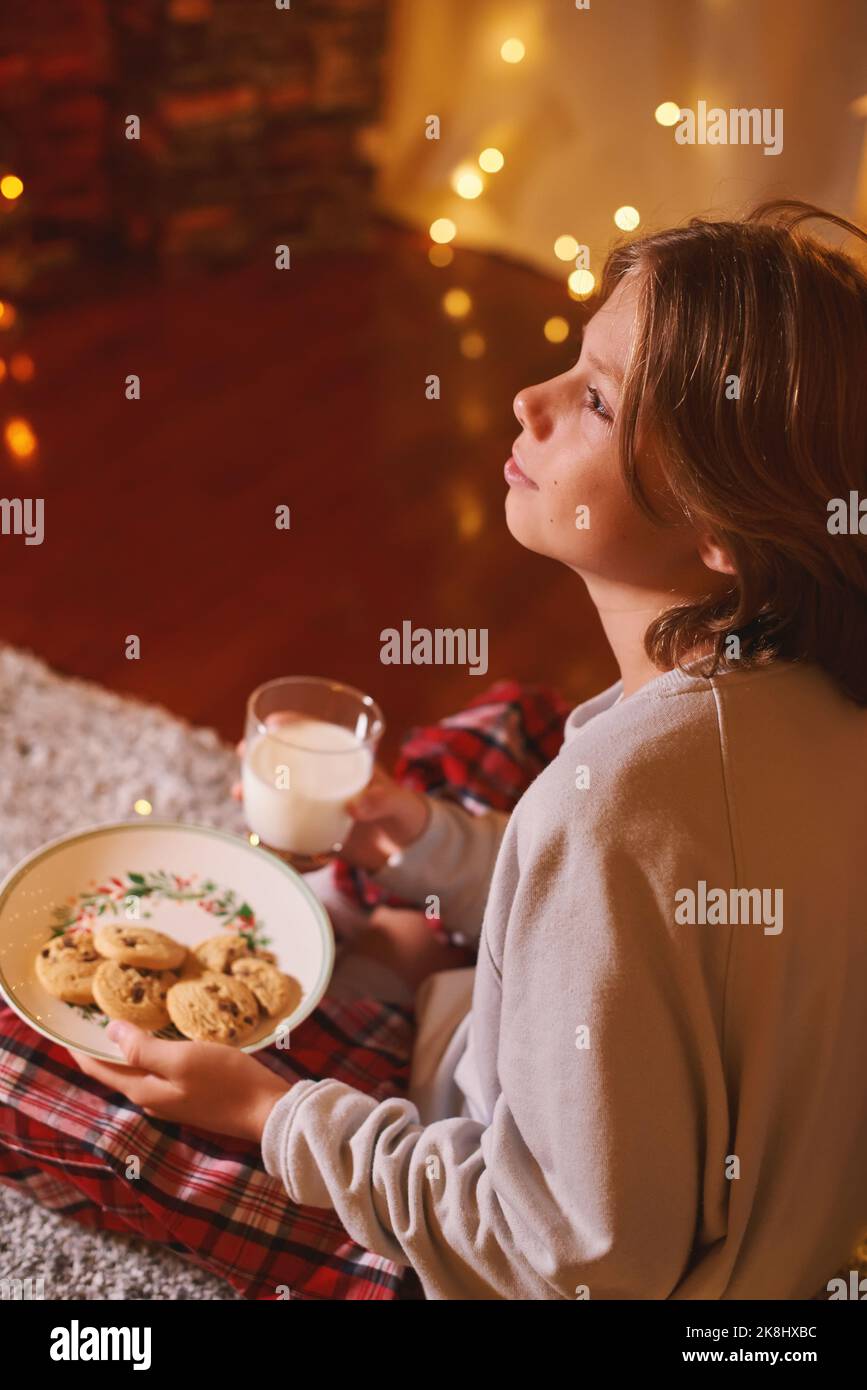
[(22, 367), (443, 230), (20, 439), (469, 512), (2, 369), (467, 183), (566, 248), (581, 283), (492, 160), (627, 218), (7, 314), (142, 807), (556, 329), (11, 187), (512, 51), (474, 416), (457, 303), (667, 113), (440, 256), (253, 838), (473, 345)]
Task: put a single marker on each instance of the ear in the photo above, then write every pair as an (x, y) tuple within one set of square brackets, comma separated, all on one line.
[(714, 555)]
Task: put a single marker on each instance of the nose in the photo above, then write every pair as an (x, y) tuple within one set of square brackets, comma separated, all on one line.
[(532, 410)]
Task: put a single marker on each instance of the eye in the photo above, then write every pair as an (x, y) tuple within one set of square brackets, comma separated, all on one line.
[(597, 406)]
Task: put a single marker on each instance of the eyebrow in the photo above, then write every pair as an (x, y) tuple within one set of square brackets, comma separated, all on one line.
[(605, 369)]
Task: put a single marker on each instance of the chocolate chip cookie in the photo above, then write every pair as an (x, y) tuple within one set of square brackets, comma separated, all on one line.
[(141, 946), (215, 1008), (133, 993), (218, 952), (277, 994), (66, 967)]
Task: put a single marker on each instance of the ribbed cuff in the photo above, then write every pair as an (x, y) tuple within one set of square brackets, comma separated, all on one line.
[(413, 868), (275, 1135)]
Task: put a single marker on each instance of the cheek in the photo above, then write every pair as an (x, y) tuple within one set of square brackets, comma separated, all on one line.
[(582, 509), (590, 495)]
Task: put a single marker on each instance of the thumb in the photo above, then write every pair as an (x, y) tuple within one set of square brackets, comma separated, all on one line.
[(142, 1049)]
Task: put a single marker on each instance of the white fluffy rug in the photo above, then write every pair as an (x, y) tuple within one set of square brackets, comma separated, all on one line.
[(71, 755)]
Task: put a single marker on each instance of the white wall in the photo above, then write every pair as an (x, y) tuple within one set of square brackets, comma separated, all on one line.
[(575, 118)]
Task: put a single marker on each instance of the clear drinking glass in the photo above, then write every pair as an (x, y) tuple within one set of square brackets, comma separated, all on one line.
[(309, 748)]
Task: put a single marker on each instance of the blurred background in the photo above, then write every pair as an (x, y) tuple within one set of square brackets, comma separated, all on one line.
[(471, 256)]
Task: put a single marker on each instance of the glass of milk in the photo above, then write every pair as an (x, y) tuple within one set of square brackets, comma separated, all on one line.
[(309, 748)]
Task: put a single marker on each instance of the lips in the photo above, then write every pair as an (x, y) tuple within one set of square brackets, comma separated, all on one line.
[(515, 475)]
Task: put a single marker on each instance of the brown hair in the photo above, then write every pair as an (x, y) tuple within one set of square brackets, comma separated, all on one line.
[(786, 315)]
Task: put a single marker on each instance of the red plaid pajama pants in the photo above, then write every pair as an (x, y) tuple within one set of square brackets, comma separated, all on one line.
[(67, 1140)]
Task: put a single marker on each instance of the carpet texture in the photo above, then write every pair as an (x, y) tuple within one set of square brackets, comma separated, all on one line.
[(72, 755)]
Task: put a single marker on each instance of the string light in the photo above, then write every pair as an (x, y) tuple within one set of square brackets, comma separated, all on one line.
[(667, 113), (556, 329), (473, 345), (492, 160), (22, 367), (627, 218), (581, 283), (443, 230), (11, 187), (566, 248), (512, 51), (440, 256), (142, 807), (467, 183), (469, 512), (457, 303), (474, 417), (20, 439)]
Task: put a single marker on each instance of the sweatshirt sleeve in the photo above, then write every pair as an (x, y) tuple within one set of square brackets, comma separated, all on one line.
[(586, 1181), (453, 859)]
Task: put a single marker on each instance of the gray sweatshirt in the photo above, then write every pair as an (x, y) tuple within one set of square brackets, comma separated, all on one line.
[(668, 1028)]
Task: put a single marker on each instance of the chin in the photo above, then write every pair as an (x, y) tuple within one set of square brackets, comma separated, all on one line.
[(525, 529), (515, 521)]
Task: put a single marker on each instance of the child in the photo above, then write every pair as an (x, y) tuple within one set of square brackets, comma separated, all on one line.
[(656, 1089)]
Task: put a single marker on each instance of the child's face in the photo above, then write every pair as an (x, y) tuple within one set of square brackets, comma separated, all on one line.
[(569, 453)]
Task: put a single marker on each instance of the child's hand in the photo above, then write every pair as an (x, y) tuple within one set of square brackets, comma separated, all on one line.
[(194, 1083), (388, 817), (401, 938)]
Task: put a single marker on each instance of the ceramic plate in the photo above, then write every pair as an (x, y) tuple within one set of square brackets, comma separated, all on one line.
[(186, 880)]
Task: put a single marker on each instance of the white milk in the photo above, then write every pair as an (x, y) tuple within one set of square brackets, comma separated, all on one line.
[(326, 767)]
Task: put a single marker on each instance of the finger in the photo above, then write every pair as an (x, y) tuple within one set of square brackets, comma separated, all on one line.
[(111, 1074), (373, 803), (93, 1065), (145, 1052), (152, 1094), (282, 716)]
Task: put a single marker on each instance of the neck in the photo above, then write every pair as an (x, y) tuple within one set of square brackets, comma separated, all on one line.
[(625, 616)]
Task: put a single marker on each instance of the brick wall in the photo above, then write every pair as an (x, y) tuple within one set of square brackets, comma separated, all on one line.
[(250, 120)]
